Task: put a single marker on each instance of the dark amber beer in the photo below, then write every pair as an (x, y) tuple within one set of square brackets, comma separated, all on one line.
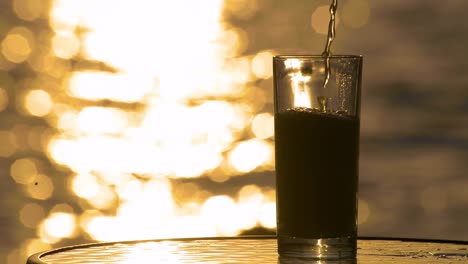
[(316, 173)]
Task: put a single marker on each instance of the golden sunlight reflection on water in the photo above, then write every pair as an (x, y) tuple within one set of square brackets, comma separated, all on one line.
[(173, 86)]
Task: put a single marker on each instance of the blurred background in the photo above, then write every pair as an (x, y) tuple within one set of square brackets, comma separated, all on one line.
[(149, 119)]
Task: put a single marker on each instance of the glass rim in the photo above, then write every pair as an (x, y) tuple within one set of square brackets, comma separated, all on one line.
[(316, 56)]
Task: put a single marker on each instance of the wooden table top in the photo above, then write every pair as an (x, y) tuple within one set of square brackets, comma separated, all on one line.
[(257, 249)]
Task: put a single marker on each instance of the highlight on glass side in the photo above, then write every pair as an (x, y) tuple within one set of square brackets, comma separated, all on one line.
[(137, 103)]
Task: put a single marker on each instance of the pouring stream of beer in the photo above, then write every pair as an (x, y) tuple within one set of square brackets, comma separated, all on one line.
[(330, 38)]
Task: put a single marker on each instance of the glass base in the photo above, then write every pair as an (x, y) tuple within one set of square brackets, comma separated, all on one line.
[(339, 248)]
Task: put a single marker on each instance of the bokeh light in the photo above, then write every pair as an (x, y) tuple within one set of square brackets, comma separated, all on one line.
[(38, 102), (28, 10), (85, 185), (263, 126), (248, 155), (63, 208), (57, 226), (23, 171), (18, 44), (60, 225), (105, 198), (41, 188), (65, 44), (320, 19), (267, 214), (31, 215), (221, 212), (261, 64)]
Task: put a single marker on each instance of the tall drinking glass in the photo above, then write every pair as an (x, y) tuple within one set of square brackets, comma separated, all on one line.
[(316, 153)]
